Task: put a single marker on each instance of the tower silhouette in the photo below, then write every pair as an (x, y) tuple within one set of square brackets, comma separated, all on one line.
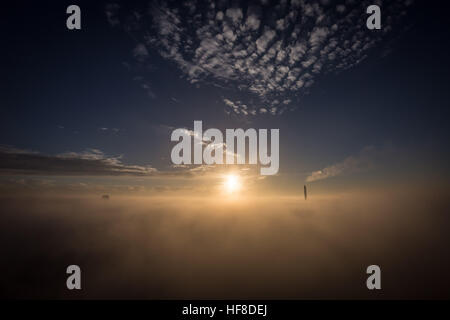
[(305, 192)]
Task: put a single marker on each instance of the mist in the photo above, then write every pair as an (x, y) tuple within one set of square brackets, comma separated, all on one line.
[(216, 248)]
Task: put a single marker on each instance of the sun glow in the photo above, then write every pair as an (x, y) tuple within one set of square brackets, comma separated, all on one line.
[(232, 183)]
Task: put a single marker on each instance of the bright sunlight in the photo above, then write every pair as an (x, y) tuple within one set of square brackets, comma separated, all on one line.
[(232, 183)]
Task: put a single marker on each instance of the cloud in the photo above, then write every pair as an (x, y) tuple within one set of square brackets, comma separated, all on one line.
[(252, 22), (140, 52), (235, 14), (237, 107), (340, 8), (265, 53), (361, 162), (146, 85), (91, 162), (263, 41), (111, 10), (191, 245), (109, 130), (94, 162)]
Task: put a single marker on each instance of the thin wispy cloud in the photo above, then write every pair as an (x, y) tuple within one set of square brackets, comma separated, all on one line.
[(272, 55), (144, 84), (94, 162), (27, 170), (91, 162), (363, 161)]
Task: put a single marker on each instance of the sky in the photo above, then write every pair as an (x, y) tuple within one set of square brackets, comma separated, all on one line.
[(363, 124), (347, 100)]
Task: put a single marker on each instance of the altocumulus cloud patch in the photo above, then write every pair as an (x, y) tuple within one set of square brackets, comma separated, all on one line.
[(268, 54)]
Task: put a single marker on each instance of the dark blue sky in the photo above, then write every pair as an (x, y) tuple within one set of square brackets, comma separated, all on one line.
[(62, 87)]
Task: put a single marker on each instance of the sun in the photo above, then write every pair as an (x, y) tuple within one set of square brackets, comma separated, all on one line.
[(232, 183)]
